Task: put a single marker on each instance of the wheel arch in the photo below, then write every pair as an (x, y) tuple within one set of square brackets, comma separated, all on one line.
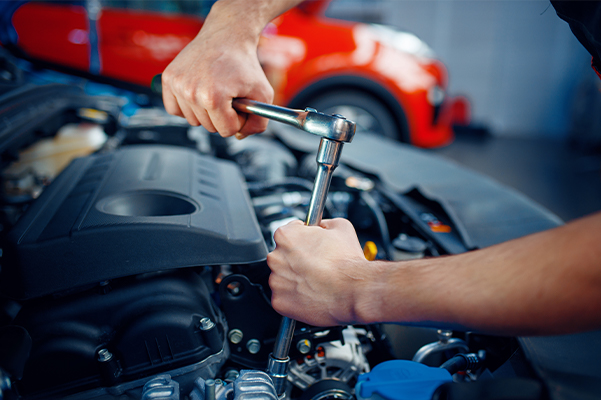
[(358, 83)]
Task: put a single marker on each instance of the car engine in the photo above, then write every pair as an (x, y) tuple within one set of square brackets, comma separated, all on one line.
[(137, 270)]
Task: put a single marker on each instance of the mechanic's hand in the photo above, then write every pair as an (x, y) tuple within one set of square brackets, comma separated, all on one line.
[(219, 65), (319, 273)]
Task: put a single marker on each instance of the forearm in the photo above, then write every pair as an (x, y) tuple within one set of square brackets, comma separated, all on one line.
[(246, 20), (545, 283)]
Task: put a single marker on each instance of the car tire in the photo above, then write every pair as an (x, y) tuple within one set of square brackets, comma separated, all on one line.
[(368, 112)]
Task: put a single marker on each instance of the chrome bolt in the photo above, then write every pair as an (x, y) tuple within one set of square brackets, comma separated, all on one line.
[(253, 346), (304, 346), (235, 336), (206, 324), (231, 375), (444, 335), (104, 355)]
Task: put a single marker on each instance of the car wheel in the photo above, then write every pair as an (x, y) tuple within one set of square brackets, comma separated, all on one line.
[(369, 113)]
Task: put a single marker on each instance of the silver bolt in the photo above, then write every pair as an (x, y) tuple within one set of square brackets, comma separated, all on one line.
[(235, 336), (444, 335), (253, 346), (206, 324), (304, 346), (231, 375), (104, 355)]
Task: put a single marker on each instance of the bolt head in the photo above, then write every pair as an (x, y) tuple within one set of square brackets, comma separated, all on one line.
[(231, 375), (235, 336), (253, 346), (206, 324), (104, 355), (304, 346)]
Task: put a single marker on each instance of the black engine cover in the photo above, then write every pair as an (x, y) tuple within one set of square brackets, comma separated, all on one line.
[(140, 209), (149, 324)]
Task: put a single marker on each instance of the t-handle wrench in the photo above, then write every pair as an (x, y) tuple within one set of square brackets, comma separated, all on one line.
[(334, 131)]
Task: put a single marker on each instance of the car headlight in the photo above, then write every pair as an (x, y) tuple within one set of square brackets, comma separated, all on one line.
[(436, 95)]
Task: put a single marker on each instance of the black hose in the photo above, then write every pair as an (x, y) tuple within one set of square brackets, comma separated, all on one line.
[(462, 362), (372, 204)]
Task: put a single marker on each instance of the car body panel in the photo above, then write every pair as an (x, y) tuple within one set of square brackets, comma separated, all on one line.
[(298, 49)]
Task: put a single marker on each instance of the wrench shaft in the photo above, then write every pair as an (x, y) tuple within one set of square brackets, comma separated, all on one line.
[(327, 160), (276, 113)]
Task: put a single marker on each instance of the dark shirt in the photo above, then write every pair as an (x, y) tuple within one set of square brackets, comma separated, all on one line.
[(584, 18)]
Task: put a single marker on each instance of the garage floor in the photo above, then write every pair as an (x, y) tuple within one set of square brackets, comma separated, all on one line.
[(564, 180)]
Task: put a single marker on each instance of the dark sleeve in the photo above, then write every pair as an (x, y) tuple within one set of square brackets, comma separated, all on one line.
[(584, 18)]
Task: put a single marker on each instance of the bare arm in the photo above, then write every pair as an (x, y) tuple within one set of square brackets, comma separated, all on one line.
[(546, 283), (221, 64)]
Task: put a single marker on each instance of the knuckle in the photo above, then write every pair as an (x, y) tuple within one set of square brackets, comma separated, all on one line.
[(270, 260), (278, 235), (210, 98), (189, 93)]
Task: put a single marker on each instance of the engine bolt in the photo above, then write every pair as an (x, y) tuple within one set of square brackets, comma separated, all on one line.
[(231, 375), (304, 346), (104, 355), (235, 336), (444, 335), (253, 346), (206, 324)]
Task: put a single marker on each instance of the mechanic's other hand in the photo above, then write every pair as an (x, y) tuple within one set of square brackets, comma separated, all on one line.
[(319, 273), (219, 65)]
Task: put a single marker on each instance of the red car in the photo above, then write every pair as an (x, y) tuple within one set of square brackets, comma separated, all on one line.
[(385, 80)]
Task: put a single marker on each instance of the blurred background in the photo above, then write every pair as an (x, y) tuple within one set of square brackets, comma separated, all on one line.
[(500, 86), (535, 100)]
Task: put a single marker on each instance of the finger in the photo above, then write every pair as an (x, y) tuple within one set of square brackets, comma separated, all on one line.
[(242, 117), (204, 119), (253, 124), (170, 102), (295, 222), (336, 223), (188, 114), (225, 119), (274, 261)]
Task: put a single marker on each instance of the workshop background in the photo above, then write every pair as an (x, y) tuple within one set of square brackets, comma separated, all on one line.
[(535, 99)]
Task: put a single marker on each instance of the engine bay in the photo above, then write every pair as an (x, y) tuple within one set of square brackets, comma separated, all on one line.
[(137, 270)]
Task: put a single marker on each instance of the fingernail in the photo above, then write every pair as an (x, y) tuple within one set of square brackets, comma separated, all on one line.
[(239, 136)]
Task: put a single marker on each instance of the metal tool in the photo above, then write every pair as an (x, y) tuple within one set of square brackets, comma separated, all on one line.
[(334, 130)]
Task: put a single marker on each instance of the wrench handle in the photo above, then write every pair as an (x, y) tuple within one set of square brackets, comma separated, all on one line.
[(280, 114)]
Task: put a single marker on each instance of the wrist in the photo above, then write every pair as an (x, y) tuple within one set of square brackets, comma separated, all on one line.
[(371, 293), (396, 292), (239, 21)]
